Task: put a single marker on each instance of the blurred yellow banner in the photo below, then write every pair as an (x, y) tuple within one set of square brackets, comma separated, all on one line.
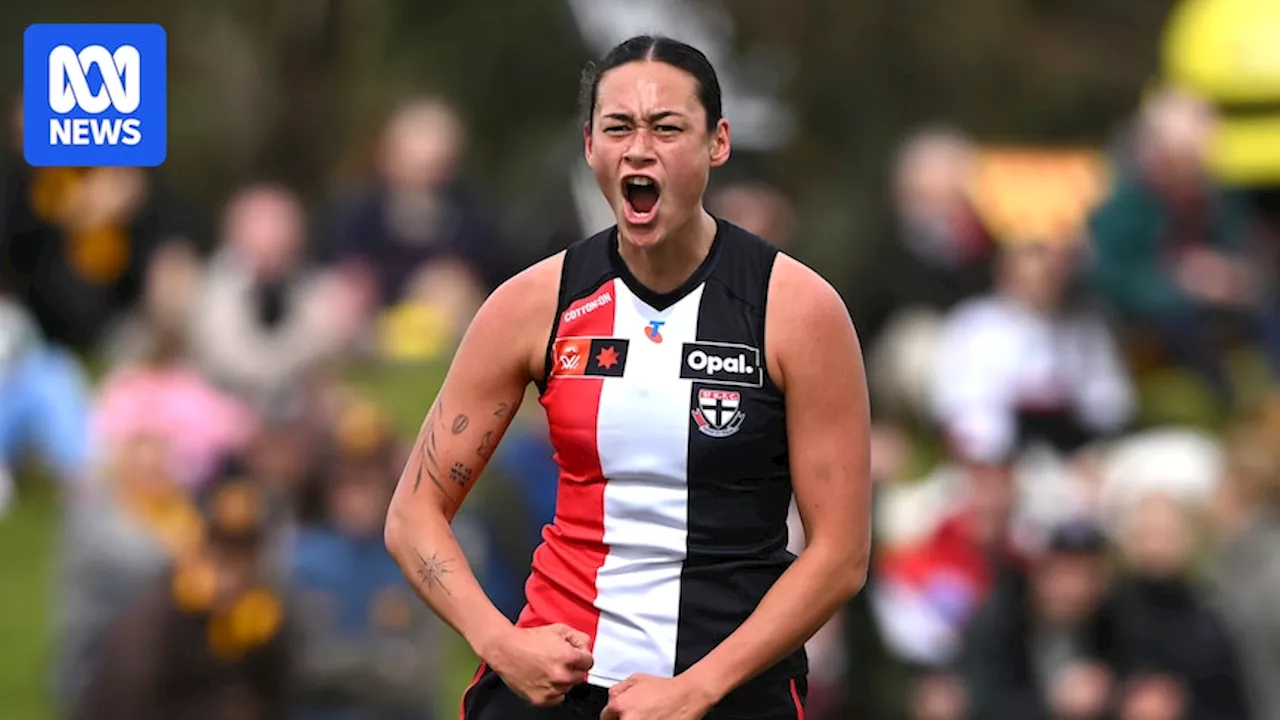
[(1037, 194)]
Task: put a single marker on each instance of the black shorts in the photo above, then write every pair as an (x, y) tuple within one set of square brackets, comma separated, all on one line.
[(489, 698)]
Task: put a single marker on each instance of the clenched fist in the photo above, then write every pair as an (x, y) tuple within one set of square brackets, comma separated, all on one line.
[(542, 664)]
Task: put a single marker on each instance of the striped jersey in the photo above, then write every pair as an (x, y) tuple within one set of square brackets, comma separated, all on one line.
[(670, 436)]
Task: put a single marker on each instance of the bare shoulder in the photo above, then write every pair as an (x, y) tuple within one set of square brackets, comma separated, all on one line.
[(806, 320), (796, 287), (520, 312)]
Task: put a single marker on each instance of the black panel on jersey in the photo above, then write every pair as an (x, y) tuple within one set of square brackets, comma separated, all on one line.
[(662, 301), (739, 472)]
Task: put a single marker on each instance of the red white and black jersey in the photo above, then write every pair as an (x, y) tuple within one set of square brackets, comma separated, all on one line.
[(671, 514)]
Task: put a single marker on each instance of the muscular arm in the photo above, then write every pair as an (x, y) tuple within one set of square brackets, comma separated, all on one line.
[(818, 364), (498, 357)]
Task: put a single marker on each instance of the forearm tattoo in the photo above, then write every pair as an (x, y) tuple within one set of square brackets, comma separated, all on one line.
[(431, 572)]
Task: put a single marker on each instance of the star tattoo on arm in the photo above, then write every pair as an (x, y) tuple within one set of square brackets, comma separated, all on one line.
[(432, 571)]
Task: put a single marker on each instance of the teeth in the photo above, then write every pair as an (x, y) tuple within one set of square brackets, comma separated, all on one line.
[(640, 181)]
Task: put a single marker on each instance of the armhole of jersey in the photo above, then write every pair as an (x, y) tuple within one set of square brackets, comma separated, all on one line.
[(764, 324), (541, 384)]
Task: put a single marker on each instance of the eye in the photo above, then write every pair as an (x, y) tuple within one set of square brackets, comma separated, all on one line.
[(615, 129), (668, 129)]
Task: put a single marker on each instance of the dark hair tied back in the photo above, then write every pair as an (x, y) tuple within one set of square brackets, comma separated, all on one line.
[(655, 49)]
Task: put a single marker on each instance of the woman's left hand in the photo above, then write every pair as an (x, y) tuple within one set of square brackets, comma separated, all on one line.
[(645, 697)]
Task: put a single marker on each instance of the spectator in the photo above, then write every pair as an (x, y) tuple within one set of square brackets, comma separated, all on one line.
[(81, 245), (1169, 644), (208, 639), (44, 404), (420, 211), (367, 641), (757, 208), (940, 253), (119, 536), (263, 320), (1037, 648), (166, 397), (1246, 566), (169, 295), (440, 301), (1021, 364), (929, 587), (1172, 256)]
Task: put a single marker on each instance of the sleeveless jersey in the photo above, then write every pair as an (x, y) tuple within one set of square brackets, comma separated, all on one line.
[(670, 436)]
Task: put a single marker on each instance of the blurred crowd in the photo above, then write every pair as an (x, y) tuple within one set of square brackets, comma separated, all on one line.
[(1096, 532), (1075, 449)]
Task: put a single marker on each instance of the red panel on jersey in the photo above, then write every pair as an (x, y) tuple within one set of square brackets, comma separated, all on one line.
[(562, 584)]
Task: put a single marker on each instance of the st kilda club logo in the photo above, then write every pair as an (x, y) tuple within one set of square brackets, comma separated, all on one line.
[(718, 413)]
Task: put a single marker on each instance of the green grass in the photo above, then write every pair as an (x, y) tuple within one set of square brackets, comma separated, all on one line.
[(26, 585)]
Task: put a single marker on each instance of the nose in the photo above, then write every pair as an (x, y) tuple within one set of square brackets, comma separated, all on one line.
[(639, 151)]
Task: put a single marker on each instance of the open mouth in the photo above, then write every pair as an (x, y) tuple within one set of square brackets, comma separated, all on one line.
[(642, 194)]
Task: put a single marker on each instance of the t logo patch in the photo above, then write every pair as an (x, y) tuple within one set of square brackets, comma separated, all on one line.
[(654, 330)]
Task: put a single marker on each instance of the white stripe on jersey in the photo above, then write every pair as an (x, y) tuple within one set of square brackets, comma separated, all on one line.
[(643, 444)]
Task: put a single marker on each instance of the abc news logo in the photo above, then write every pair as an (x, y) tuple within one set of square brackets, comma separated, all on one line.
[(95, 95), (722, 363), (69, 91)]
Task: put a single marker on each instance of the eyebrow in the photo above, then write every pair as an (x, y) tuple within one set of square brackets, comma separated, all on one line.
[(652, 118)]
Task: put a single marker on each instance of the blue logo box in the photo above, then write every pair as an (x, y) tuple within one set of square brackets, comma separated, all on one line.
[(95, 95)]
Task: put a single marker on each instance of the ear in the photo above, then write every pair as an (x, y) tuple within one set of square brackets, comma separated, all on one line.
[(586, 142), (720, 143)]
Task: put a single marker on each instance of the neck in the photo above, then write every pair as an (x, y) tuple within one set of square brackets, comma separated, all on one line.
[(667, 265)]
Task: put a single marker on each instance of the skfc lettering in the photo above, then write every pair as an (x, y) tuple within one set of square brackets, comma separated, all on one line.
[(722, 363)]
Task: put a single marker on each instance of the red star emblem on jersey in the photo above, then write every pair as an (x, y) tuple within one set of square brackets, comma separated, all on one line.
[(607, 358)]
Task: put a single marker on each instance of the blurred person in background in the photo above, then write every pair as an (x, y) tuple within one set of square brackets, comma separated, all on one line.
[(164, 395), (44, 406), (1037, 650), (1026, 364), (1170, 646), (264, 319), (420, 210), (284, 457), (367, 646), (940, 253), (209, 638), (1172, 253), (440, 301), (1246, 565), (116, 540), (928, 587), (77, 242), (168, 300), (758, 208)]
